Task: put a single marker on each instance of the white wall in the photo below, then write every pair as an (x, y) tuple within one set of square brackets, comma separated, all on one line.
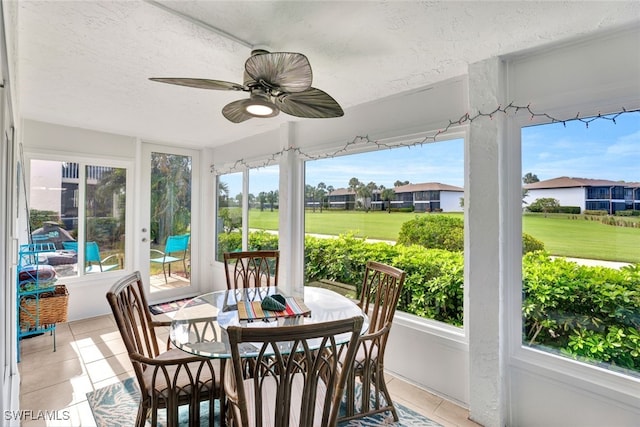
[(10, 383), (450, 201), (566, 196)]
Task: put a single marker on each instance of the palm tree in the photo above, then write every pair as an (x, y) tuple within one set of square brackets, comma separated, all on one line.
[(310, 194), (321, 190), (388, 194), (170, 194), (272, 198), (262, 199)]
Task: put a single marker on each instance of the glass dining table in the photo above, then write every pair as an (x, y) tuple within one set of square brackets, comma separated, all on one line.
[(199, 326)]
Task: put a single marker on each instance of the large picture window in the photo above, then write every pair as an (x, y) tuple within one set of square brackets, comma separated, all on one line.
[(581, 288), (80, 208), (401, 206)]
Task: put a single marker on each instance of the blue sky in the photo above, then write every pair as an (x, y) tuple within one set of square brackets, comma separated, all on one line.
[(604, 150)]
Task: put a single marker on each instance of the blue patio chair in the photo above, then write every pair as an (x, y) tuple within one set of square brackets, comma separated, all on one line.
[(92, 257), (175, 249)]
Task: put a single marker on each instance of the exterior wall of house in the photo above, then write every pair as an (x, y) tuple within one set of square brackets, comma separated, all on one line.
[(566, 196), (450, 201)]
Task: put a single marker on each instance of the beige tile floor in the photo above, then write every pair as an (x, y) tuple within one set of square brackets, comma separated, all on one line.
[(91, 355)]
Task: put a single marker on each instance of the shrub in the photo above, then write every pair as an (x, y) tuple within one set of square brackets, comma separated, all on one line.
[(531, 244), (595, 212), (569, 209), (588, 313), (545, 204), (434, 285), (258, 240), (434, 232), (447, 232), (106, 231), (37, 218)]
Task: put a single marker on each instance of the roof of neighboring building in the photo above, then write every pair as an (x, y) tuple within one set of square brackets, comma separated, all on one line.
[(569, 182), (342, 192), (409, 188), (426, 186)]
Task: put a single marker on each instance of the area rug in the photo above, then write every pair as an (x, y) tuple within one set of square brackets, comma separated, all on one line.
[(168, 307), (117, 405)]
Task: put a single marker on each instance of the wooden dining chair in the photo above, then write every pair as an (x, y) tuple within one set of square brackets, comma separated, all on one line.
[(295, 378), (379, 295), (251, 269), (167, 379)]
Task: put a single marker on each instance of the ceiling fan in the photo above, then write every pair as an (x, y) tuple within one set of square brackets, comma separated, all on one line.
[(278, 81)]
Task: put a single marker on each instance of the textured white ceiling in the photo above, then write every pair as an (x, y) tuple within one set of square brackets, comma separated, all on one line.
[(87, 63)]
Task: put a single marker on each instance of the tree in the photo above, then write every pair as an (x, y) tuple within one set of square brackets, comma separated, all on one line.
[(262, 199), (310, 194), (321, 190), (364, 193), (223, 190), (272, 198), (354, 183), (170, 195), (530, 178), (545, 205), (388, 194), (398, 183)]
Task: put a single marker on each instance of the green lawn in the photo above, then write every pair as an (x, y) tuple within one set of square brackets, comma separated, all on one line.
[(562, 236)]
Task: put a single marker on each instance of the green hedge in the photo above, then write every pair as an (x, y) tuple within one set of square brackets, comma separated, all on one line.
[(447, 232), (569, 209), (590, 313), (587, 313), (232, 242), (434, 284)]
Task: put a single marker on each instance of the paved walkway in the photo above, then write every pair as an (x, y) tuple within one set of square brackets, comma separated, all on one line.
[(597, 262)]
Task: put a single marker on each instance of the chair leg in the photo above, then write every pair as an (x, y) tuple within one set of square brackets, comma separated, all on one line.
[(365, 396), (184, 264), (165, 273), (381, 386), (141, 418)]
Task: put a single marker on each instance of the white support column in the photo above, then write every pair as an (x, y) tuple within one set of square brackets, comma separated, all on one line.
[(483, 251), (291, 215)]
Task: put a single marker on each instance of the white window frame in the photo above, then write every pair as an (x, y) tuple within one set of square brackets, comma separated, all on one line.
[(83, 161), (573, 372)]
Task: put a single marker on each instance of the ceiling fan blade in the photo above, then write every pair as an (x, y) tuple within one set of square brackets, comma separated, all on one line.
[(200, 83), (234, 111), (312, 103), (284, 71)]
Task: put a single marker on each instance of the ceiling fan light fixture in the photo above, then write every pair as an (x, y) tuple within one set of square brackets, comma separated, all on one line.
[(256, 106), (260, 109)]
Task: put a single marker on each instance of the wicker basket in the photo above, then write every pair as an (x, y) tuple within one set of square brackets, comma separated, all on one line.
[(52, 308)]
